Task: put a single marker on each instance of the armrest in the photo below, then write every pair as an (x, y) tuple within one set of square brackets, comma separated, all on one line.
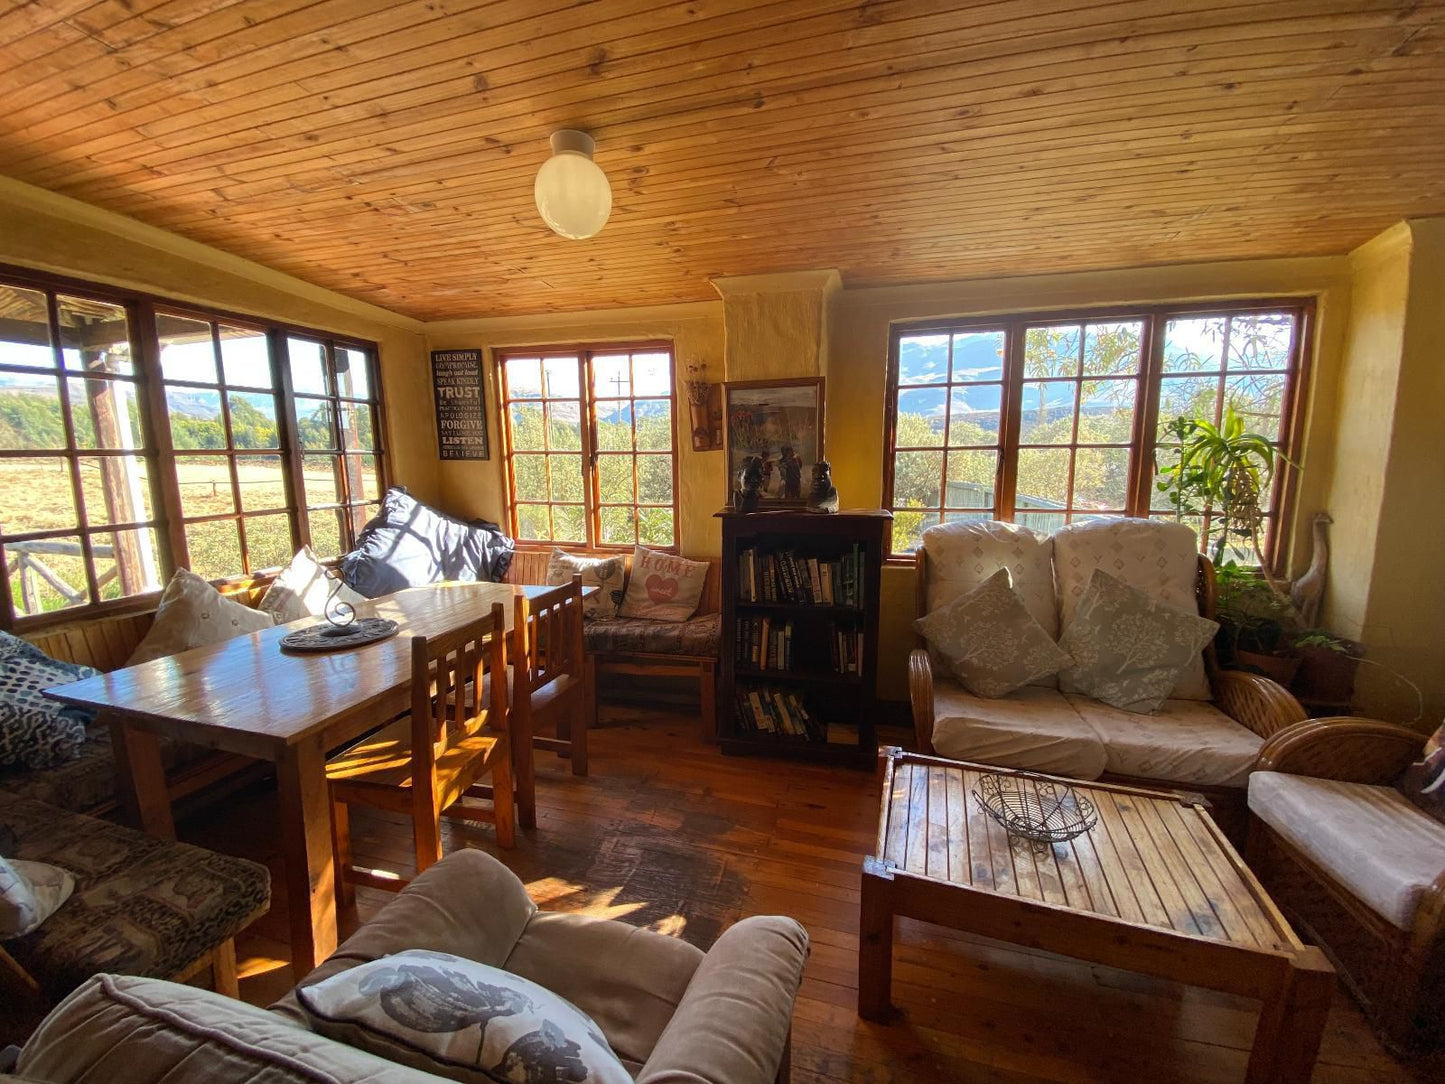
[(920, 696), (1264, 706), (1343, 748), (732, 1024)]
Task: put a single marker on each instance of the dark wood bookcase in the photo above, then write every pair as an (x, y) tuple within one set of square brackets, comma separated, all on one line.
[(826, 683)]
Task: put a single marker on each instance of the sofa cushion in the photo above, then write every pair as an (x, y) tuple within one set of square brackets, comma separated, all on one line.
[(1034, 729), (663, 586), (963, 555), (409, 544), (607, 574), (1159, 557), (193, 614), (30, 892), (147, 1031), (696, 637), (35, 731), (1188, 741), (1371, 840), (302, 589)]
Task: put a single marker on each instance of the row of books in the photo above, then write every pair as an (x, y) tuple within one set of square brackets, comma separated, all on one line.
[(781, 712), (765, 644), (787, 576), (847, 653)]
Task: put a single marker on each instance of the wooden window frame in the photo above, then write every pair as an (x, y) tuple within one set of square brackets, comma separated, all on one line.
[(1139, 485), (587, 402)]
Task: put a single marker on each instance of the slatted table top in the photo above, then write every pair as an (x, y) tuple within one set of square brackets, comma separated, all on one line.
[(1153, 859)]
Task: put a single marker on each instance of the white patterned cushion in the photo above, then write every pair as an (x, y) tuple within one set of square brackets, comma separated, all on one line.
[(990, 641), (35, 731), (607, 573), (192, 613), (962, 555), (1033, 729), (1159, 557), (462, 1020), (30, 892), (1188, 741), (663, 587), (301, 589), (1369, 839)]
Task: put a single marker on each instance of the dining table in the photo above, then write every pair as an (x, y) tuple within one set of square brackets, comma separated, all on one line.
[(248, 696)]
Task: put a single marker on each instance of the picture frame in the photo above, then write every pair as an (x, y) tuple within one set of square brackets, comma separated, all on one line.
[(780, 421)]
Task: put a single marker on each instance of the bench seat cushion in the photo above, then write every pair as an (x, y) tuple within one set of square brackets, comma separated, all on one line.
[(1032, 728), (141, 906), (1371, 840), (1187, 741), (697, 637)]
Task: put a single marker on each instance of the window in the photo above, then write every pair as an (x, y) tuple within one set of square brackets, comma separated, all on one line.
[(590, 453), (1049, 419), (137, 437)]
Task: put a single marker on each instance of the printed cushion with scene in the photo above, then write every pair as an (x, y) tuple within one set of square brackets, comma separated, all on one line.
[(193, 614), (663, 587), (35, 731), (609, 574)]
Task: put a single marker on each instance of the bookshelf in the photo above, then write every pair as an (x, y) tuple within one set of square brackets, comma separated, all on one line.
[(800, 633)]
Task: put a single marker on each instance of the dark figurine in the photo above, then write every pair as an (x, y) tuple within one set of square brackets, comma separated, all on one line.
[(822, 496), (749, 484), (791, 469)]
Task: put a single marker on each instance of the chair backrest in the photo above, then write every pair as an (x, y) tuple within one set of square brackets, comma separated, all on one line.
[(547, 637), (443, 668)]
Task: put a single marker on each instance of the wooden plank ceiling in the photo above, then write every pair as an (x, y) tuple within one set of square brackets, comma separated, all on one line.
[(386, 149)]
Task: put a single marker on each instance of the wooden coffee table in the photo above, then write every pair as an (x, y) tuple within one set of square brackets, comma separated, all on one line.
[(1154, 887)]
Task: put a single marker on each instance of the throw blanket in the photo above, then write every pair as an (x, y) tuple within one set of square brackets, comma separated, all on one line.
[(410, 545)]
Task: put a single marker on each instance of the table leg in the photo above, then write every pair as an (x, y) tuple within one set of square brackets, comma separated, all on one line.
[(875, 942), (306, 846), (140, 778), (1287, 1041)]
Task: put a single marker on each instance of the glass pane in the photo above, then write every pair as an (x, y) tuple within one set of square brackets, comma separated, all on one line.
[(617, 526), (116, 489), (524, 378), (320, 480), (308, 366), (94, 335), (967, 517), (611, 377), (530, 473), (48, 575), (361, 514), (1188, 397), (533, 521), (1047, 415), (1101, 479), (614, 426), (1043, 478), (326, 533), (126, 562), (1052, 351), (654, 425), (568, 523), (971, 477), (922, 359), (916, 478), (1259, 399), (36, 495), (978, 355), (1165, 456), (353, 373), (974, 413), (268, 541), (195, 418), (1112, 349), (908, 528), (361, 478), (245, 358), (1193, 344), (253, 420), (654, 479), (187, 352), (1043, 522), (562, 378), (921, 417), (655, 527), (205, 485), (314, 423), (566, 475), (1107, 413), (651, 374), (105, 414), (526, 426), (564, 426), (215, 548), (25, 339), (356, 427), (30, 414), (1260, 341), (614, 479), (263, 486)]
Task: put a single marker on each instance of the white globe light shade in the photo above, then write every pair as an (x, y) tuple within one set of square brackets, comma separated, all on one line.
[(572, 192)]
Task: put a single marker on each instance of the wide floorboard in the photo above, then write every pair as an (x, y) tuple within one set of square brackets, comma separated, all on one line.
[(668, 833)]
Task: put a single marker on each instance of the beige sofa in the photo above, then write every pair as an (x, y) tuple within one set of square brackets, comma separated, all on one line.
[(673, 1014), (1206, 737)]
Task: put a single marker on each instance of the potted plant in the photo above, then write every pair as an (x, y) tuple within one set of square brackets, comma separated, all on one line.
[(1257, 625)]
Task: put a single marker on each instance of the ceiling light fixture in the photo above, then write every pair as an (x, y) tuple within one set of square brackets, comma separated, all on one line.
[(572, 192)]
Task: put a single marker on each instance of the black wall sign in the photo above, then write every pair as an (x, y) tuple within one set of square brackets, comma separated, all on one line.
[(461, 404)]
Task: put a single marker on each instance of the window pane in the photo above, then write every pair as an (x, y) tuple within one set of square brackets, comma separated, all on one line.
[(1107, 413), (651, 374), (974, 413), (1042, 522), (617, 526), (971, 477), (253, 420), (1185, 396), (920, 419), (1043, 478), (1052, 351), (94, 335), (1047, 412), (655, 527), (1112, 349), (530, 472), (356, 427), (268, 541), (916, 478), (654, 425), (1260, 341), (49, 575), (564, 426), (308, 367), (524, 378), (215, 548), (923, 359), (353, 375), (320, 480), (908, 528), (36, 495), (30, 413), (205, 485), (314, 424), (566, 476), (361, 514), (126, 562), (614, 426), (562, 378), (361, 478), (116, 489), (187, 352), (614, 479), (1193, 344), (978, 356), (654, 479), (26, 337), (105, 414), (611, 377), (533, 522), (1259, 400), (526, 426), (325, 532), (195, 418), (245, 358), (263, 486), (1101, 479), (568, 523)]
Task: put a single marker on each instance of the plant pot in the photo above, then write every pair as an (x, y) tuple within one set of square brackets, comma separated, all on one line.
[(1280, 668), (1326, 676)]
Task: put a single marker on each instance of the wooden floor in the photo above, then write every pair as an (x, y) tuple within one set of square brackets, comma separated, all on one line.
[(669, 834)]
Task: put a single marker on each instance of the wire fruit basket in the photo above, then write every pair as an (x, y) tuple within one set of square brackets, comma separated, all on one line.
[(1039, 810)]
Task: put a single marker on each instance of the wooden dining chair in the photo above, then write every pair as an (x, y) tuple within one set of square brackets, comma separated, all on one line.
[(426, 762)]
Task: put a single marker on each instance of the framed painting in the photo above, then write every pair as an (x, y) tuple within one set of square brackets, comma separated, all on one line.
[(780, 423)]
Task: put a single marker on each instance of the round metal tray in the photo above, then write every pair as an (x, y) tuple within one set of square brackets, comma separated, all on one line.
[(328, 637), (1039, 810)]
